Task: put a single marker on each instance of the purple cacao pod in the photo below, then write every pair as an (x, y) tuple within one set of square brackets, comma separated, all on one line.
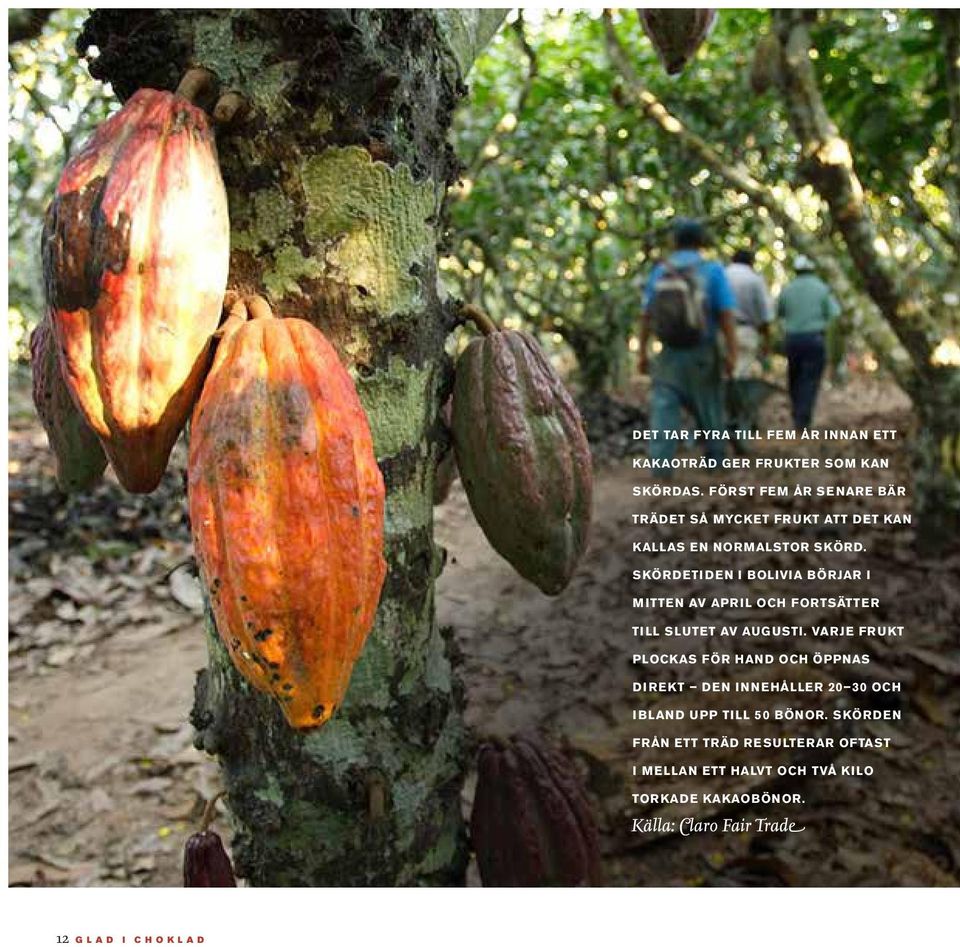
[(206, 863), (523, 457), (677, 34), (531, 823)]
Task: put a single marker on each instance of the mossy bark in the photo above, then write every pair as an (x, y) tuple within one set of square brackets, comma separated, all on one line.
[(336, 178)]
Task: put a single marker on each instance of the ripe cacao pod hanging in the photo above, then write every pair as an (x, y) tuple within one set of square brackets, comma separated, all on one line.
[(135, 256), (531, 824), (286, 505), (78, 452), (523, 456), (205, 861), (676, 34)]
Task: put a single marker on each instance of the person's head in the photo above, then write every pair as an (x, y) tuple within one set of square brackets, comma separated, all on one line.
[(803, 264), (744, 256), (689, 234)]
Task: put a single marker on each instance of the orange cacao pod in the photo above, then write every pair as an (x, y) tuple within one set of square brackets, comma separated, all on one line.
[(80, 457), (286, 504), (135, 257)]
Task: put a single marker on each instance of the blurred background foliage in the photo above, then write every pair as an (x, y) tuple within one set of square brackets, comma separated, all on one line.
[(53, 106), (567, 195)]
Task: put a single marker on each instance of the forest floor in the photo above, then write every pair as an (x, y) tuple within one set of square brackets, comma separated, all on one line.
[(105, 641)]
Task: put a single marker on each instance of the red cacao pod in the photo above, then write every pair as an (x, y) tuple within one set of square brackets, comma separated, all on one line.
[(531, 824), (205, 862), (523, 457), (677, 34), (135, 257), (79, 454), (287, 503)]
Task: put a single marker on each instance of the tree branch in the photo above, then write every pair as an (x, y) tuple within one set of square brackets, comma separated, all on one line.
[(950, 26), (827, 163), (484, 155)]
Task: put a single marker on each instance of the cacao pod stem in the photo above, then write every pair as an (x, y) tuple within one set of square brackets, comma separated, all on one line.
[(479, 318), (210, 811), (258, 308), (229, 107), (205, 861), (195, 83)]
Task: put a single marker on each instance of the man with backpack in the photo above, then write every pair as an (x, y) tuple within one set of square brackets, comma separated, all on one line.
[(688, 304)]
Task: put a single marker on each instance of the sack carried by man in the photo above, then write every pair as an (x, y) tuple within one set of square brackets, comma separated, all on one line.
[(678, 309)]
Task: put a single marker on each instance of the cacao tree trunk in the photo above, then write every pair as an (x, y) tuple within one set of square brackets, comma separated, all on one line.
[(336, 174)]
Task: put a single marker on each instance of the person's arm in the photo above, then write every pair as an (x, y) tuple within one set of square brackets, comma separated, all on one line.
[(831, 306), (763, 330), (728, 323), (725, 304), (643, 359), (765, 310)]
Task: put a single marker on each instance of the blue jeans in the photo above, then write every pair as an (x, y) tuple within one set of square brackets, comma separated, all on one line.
[(806, 356), (691, 379)]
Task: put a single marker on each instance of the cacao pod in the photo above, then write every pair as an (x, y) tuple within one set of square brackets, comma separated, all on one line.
[(135, 256), (205, 862), (523, 457), (287, 505), (765, 68), (531, 824), (447, 467), (78, 452), (676, 34)]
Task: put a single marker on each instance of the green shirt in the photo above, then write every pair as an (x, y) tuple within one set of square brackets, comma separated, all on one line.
[(806, 305)]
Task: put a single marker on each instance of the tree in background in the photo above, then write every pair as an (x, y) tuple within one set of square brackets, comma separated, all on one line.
[(566, 194), (890, 181)]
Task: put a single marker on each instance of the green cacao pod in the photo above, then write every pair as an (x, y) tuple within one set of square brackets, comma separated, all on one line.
[(79, 453), (523, 457), (677, 34), (531, 824)]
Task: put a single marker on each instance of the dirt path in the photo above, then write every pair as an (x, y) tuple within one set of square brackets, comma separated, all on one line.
[(105, 642)]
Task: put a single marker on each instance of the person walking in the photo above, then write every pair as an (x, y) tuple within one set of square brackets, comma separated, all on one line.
[(754, 315), (807, 307), (688, 304)]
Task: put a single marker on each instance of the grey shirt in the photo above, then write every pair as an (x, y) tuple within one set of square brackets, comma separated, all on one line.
[(754, 307)]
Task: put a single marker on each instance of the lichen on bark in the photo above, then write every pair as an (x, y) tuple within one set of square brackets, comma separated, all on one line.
[(335, 178)]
